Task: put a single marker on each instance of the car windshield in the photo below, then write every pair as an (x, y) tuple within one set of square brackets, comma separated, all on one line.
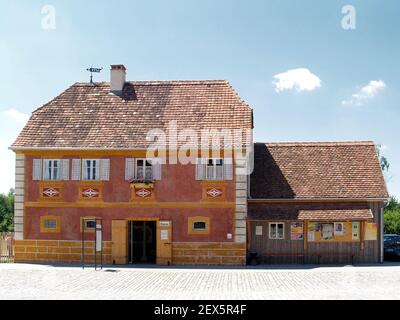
[(393, 238)]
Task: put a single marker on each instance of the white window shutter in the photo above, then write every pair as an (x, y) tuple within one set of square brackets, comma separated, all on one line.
[(157, 168), (228, 169), (200, 169), (129, 169), (105, 169), (64, 173), (37, 169), (76, 169)]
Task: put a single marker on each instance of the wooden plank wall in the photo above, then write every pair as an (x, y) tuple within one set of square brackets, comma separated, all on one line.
[(262, 245)]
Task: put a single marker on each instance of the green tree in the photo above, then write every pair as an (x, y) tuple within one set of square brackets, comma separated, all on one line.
[(7, 211), (392, 216)]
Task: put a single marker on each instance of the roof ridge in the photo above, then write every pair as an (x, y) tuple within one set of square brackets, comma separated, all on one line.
[(161, 82), (319, 143)]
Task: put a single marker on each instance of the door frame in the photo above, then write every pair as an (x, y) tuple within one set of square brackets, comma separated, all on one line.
[(163, 247)]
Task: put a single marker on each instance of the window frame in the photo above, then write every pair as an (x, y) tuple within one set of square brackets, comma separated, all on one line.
[(47, 166), (277, 236), (145, 166), (214, 170), (97, 170)]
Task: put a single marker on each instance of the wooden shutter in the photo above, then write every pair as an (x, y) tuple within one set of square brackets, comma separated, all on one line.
[(228, 169), (37, 169), (129, 169), (64, 170), (105, 169), (156, 164), (76, 169), (200, 169)]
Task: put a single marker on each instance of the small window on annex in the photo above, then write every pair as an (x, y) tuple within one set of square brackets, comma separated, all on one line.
[(276, 230)]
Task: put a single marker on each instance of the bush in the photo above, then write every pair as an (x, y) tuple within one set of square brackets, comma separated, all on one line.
[(7, 212)]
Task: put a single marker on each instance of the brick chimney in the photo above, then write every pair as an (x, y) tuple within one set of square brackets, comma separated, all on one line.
[(118, 77)]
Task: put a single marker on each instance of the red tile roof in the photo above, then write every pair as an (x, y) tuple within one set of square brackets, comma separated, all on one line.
[(317, 215), (89, 116), (317, 170)]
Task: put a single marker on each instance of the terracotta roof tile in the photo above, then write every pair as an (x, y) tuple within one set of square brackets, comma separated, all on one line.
[(89, 116), (317, 170)]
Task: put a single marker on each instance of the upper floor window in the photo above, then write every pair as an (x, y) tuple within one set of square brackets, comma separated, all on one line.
[(91, 169), (51, 169), (215, 169), (144, 169)]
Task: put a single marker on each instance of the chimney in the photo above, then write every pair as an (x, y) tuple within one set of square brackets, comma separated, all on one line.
[(118, 77)]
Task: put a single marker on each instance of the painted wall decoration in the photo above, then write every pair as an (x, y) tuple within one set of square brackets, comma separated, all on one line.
[(355, 230), (371, 231), (296, 231), (214, 192)]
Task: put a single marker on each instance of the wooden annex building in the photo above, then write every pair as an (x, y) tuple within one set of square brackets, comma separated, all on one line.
[(82, 165)]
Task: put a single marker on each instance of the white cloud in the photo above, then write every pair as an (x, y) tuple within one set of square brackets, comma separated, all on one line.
[(366, 93), (16, 115), (300, 79)]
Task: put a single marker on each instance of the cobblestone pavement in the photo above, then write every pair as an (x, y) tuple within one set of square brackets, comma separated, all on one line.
[(27, 281)]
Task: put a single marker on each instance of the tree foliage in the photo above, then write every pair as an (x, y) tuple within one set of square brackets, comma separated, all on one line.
[(7, 211), (392, 216)]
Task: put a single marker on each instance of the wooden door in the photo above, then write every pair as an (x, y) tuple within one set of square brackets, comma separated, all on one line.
[(164, 242), (119, 241)]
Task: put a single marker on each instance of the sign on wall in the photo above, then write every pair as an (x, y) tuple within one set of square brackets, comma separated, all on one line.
[(327, 231), (259, 230), (355, 231), (296, 231), (339, 229)]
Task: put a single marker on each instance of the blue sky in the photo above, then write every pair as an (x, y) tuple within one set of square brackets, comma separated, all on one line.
[(246, 42)]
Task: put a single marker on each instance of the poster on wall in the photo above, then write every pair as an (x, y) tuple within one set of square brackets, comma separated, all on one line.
[(311, 232), (355, 231), (259, 230), (296, 231), (371, 231), (327, 231), (339, 229)]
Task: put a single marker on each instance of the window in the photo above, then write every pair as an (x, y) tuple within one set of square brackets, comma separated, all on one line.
[(276, 230), (50, 224), (215, 169), (52, 169), (89, 223), (144, 169), (199, 226), (91, 169)]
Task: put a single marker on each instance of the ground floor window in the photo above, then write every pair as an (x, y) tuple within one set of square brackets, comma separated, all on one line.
[(89, 223), (276, 230), (198, 225), (50, 224)]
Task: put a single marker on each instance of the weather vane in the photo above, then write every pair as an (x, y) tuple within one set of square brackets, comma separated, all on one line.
[(91, 70)]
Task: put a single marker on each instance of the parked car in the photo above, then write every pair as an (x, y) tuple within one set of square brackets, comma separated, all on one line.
[(391, 244)]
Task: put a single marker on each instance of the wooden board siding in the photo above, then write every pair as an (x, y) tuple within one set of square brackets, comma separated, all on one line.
[(292, 251)]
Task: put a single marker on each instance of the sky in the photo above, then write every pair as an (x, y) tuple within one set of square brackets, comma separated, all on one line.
[(312, 70)]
